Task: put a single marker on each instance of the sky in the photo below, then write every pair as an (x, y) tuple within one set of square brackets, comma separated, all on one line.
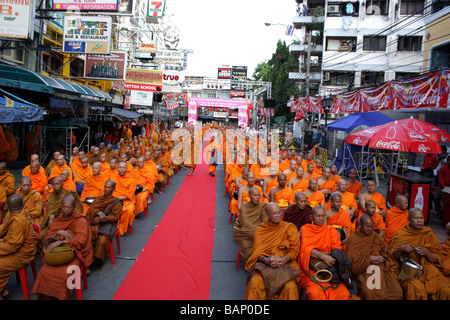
[(230, 32)]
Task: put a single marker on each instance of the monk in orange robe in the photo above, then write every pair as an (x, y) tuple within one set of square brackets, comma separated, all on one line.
[(125, 190), (149, 163), (318, 169), (298, 183), (93, 185), (38, 178), (334, 176), (309, 172), (82, 174), (112, 172), (143, 176), (317, 240), (396, 217), (282, 195), (326, 185), (95, 156), (67, 182), (422, 246), (244, 194), (212, 149), (337, 217), (274, 254), (291, 172), (286, 163), (60, 166), (379, 225), (32, 200), (76, 163), (103, 162), (270, 182), (354, 186), (348, 198), (314, 196), (239, 183), (308, 160), (7, 180), (26, 170), (236, 172), (373, 195), (162, 165)]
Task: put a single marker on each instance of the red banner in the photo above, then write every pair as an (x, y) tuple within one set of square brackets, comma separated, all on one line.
[(346, 103), (378, 98), (444, 92), (419, 92)]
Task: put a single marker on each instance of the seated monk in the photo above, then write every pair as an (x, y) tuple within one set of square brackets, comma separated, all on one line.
[(337, 217), (52, 205), (26, 170), (282, 195), (239, 182), (309, 173), (314, 196), (82, 174), (38, 178), (104, 162), (149, 163), (369, 254), (318, 169), (52, 163), (251, 215), (270, 182), (308, 160), (317, 241), (422, 246), (67, 182), (286, 163), (354, 186), (300, 213), (161, 164), (7, 180), (93, 185), (373, 195), (143, 176), (59, 167), (96, 215), (348, 198), (291, 172), (298, 183), (32, 200), (445, 253), (235, 172), (326, 185), (112, 172), (396, 217), (71, 228), (274, 256), (244, 195), (95, 156), (76, 163), (125, 190), (334, 176), (17, 242), (378, 222)]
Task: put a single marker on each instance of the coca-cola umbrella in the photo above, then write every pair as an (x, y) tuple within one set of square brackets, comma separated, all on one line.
[(426, 129), (396, 137)]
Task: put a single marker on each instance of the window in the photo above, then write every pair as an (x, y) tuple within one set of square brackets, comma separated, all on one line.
[(334, 78), (412, 7), (13, 54), (341, 44), (377, 7), (409, 43), (374, 43), (371, 78), (339, 9), (405, 75)]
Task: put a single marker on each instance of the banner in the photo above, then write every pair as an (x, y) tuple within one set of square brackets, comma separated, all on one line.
[(219, 103), (87, 34), (378, 98), (111, 67), (143, 80), (192, 112), (444, 91), (243, 118), (419, 92), (91, 5), (346, 103)]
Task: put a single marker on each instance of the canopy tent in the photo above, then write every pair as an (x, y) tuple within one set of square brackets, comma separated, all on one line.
[(355, 120), (15, 77), (19, 112)]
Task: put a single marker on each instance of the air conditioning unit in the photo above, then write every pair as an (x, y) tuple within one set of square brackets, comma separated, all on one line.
[(326, 76), (334, 8)]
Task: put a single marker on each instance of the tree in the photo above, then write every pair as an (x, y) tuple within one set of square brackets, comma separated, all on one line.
[(276, 70)]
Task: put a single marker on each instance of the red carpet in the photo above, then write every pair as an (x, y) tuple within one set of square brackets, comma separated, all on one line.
[(175, 264)]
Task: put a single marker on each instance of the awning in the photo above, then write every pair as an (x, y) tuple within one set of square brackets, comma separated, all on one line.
[(125, 113), (20, 112), (20, 78)]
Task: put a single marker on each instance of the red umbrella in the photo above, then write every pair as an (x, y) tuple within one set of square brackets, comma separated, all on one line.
[(396, 137), (426, 129)]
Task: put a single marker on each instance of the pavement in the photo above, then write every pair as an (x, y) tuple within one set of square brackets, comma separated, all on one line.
[(227, 283)]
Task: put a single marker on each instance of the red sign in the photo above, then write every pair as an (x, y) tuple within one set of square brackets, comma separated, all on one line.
[(378, 98), (419, 92), (444, 93), (346, 103), (142, 87)]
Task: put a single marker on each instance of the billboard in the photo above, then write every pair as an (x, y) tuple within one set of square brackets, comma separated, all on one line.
[(85, 5), (17, 19), (238, 73), (109, 67), (143, 80), (87, 34), (169, 57), (224, 73), (155, 9)]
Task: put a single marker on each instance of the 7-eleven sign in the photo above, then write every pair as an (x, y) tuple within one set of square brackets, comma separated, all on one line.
[(156, 8)]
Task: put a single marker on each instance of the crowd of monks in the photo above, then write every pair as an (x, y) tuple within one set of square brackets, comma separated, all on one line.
[(289, 211)]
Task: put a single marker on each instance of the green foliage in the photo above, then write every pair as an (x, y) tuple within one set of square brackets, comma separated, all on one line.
[(276, 70)]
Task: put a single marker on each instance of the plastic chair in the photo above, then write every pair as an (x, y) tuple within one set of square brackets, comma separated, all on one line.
[(111, 250), (81, 276), (21, 274)]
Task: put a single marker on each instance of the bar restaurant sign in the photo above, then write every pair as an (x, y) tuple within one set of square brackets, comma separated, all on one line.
[(87, 34), (143, 80)]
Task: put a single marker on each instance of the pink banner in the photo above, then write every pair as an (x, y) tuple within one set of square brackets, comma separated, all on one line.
[(419, 92), (219, 103), (243, 118), (378, 98), (192, 112)]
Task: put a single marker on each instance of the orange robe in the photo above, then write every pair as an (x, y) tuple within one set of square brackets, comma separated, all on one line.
[(8, 182), (329, 184), (26, 171), (94, 186), (105, 166), (32, 203), (445, 260), (284, 165), (300, 186), (284, 197), (144, 177), (318, 171), (56, 171), (336, 178), (125, 187), (38, 181), (316, 199), (340, 220), (234, 208), (273, 239), (76, 164), (111, 174), (290, 175), (69, 185), (312, 175), (321, 238), (348, 202), (305, 163), (395, 220), (271, 184), (355, 188), (151, 165), (379, 201)]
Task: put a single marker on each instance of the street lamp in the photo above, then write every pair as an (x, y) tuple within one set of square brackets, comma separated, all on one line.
[(267, 24), (327, 102)]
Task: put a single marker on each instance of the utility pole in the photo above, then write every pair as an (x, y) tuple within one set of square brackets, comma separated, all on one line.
[(308, 71)]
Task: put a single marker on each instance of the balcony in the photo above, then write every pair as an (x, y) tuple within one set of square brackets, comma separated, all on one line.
[(315, 76), (313, 16), (316, 49)]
